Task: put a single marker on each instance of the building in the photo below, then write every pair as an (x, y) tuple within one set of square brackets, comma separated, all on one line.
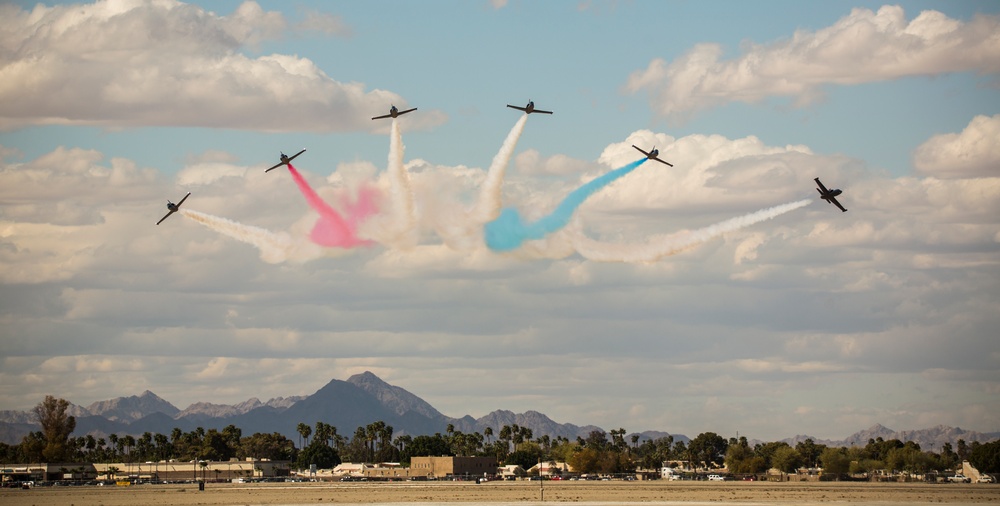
[(147, 471), (551, 468), (511, 472), (445, 467)]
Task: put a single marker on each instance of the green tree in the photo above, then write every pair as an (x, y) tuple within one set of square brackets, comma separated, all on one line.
[(786, 459), (425, 446), (526, 456), (708, 447), (32, 446), (986, 457), (320, 454), (810, 451), (740, 459), (835, 462), (56, 427), (273, 446)]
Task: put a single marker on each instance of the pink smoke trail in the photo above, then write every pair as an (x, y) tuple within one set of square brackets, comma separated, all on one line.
[(332, 230)]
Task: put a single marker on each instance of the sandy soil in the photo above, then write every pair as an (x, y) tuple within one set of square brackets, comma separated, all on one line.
[(508, 492)]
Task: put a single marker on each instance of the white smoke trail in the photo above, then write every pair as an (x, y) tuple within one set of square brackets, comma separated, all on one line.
[(463, 229), (274, 248), (665, 245), (489, 203), (402, 231)]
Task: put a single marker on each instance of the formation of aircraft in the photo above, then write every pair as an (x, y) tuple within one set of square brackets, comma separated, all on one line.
[(173, 207), (829, 195), (652, 155), (285, 159), (394, 112), (528, 109)]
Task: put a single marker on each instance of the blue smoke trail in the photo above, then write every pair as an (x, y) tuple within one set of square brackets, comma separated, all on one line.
[(509, 231)]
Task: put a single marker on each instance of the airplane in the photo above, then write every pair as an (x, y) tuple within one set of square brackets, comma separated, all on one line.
[(173, 207), (652, 155), (285, 159), (829, 195), (528, 109), (393, 112)]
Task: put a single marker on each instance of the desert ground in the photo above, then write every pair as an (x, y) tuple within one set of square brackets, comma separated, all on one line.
[(503, 493)]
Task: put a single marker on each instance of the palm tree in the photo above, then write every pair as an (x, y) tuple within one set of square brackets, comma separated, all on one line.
[(370, 435), (113, 440), (304, 432), (488, 433), (385, 442), (506, 432)]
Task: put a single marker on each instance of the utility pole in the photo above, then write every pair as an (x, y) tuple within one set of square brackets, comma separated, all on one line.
[(541, 482)]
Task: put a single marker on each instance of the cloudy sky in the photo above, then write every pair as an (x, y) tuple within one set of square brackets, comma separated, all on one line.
[(715, 295)]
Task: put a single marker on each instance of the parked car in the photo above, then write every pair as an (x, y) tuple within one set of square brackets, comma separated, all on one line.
[(960, 478), (985, 478), (715, 477)]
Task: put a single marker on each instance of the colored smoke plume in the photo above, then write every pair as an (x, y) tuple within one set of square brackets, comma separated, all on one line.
[(332, 230), (509, 231)]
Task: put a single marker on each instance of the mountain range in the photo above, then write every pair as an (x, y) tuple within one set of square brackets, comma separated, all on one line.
[(365, 398)]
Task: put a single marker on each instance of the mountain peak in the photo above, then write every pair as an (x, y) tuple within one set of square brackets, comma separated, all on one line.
[(366, 377), (132, 408), (396, 399)]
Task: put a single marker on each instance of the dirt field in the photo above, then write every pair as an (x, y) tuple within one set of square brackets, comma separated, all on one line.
[(508, 492)]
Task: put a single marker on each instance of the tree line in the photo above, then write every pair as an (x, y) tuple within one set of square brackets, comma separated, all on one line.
[(600, 452)]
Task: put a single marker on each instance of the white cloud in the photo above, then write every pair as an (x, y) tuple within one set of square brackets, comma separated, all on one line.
[(809, 299), (864, 46), (167, 63), (974, 152), (327, 23)]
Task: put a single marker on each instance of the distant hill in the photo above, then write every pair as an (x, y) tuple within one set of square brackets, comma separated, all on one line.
[(130, 409), (365, 398), (932, 439)]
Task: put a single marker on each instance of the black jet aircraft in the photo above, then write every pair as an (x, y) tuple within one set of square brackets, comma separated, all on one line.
[(652, 155), (285, 159), (173, 207), (393, 112), (829, 195), (528, 109)]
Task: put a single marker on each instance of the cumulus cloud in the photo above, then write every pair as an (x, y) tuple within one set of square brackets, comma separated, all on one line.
[(972, 153), (815, 296), (167, 63), (712, 170), (864, 46), (69, 186)]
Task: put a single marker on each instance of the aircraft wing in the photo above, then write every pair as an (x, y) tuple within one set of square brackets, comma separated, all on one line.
[(183, 199), (383, 116), (663, 162), (296, 154), (640, 150), (275, 167), (400, 113), (167, 216), (822, 188), (541, 111), (833, 200), (525, 109)]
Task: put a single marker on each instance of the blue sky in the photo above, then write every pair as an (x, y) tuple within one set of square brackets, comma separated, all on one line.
[(694, 277)]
